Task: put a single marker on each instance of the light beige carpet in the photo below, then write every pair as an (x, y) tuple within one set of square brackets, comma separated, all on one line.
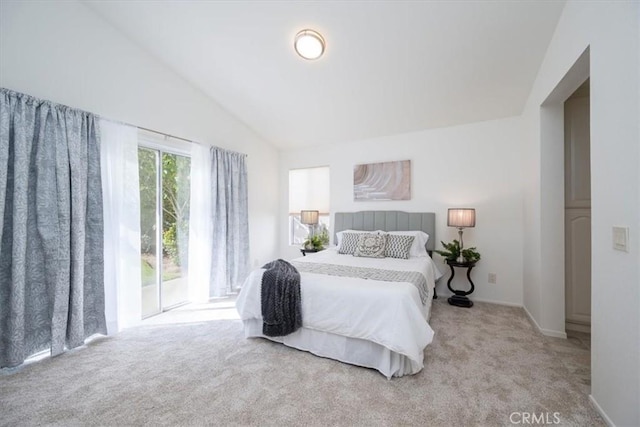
[(485, 364)]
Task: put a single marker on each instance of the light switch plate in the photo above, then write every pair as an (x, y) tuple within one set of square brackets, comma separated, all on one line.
[(621, 238)]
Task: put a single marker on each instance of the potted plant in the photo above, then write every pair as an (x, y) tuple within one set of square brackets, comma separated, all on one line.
[(452, 252), (317, 241)]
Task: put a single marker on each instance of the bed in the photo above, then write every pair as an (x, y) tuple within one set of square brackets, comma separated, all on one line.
[(378, 320)]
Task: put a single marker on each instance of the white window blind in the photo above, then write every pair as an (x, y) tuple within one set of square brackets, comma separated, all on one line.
[(309, 190)]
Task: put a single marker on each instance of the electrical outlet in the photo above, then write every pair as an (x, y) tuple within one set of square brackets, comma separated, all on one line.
[(621, 238), (493, 278)]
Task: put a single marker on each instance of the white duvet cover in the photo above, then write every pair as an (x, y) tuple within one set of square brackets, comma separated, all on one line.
[(390, 314)]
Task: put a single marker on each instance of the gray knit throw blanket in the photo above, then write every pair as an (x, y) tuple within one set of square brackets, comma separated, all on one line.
[(281, 304)]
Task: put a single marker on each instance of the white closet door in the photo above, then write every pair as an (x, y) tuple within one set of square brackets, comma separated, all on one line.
[(577, 214)]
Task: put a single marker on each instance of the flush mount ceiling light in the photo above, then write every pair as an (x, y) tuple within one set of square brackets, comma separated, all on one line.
[(309, 44)]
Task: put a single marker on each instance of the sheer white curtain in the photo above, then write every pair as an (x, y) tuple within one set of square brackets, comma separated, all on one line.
[(121, 199), (200, 227)]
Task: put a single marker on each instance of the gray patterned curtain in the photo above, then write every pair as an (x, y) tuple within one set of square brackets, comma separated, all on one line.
[(230, 221), (51, 228)]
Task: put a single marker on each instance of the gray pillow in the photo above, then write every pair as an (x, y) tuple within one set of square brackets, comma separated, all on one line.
[(371, 245), (349, 243), (398, 246)]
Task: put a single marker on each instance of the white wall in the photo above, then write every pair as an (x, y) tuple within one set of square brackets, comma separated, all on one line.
[(64, 52), (611, 32), (477, 165)]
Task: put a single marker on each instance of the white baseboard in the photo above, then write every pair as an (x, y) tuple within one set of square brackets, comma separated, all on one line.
[(447, 294), (508, 304), (599, 410), (547, 332), (570, 326)]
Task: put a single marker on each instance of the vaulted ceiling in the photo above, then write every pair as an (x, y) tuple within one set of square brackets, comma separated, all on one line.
[(389, 67)]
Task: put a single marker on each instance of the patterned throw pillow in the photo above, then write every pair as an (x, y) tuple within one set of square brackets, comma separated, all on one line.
[(420, 239), (349, 243), (371, 245), (398, 246)]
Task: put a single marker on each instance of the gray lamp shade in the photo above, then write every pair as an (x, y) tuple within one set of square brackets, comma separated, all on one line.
[(309, 217), (461, 217)]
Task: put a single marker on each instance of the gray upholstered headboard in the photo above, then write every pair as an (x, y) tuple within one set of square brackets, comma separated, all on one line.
[(387, 221)]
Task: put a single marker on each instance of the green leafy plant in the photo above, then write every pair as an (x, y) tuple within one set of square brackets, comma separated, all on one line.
[(319, 240), (170, 243), (324, 235), (452, 251), (314, 242), (470, 255)]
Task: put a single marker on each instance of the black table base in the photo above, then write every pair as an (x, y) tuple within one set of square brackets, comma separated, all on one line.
[(459, 299)]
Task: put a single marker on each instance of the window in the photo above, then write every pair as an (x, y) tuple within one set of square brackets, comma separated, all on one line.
[(308, 190), (164, 171)]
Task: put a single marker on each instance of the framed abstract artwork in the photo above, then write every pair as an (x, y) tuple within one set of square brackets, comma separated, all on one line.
[(382, 181)]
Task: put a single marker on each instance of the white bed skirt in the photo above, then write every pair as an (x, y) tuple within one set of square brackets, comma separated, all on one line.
[(370, 323), (353, 351)]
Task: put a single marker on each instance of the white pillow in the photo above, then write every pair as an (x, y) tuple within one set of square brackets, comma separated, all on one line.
[(340, 233), (419, 242)]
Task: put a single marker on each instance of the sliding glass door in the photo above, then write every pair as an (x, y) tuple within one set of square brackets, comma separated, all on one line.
[(164, 226)]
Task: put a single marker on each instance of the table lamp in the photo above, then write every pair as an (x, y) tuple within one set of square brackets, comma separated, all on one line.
[(310, 218), (461, 218)]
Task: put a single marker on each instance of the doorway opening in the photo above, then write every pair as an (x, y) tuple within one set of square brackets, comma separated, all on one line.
[(577, 196), (577, 230), (565, 221)]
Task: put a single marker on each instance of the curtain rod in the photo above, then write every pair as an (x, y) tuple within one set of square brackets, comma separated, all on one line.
[(174, 137), (166, 134), (150, 130), (10, 92), (189, 141)]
